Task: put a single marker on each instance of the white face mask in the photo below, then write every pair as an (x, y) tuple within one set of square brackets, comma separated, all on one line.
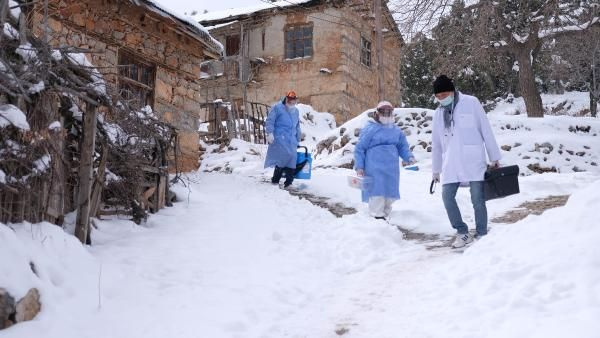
[(447, 100), (386, 119)]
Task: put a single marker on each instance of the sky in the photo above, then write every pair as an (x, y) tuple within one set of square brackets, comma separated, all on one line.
[(183, 6)]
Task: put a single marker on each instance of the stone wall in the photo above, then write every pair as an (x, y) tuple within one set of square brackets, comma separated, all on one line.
[(107, 27), (348, 90)]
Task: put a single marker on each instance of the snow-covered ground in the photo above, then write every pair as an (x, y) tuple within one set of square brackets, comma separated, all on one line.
[(238, 257)]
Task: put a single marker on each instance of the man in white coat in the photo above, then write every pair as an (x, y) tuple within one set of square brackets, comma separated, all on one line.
[(462, 136)]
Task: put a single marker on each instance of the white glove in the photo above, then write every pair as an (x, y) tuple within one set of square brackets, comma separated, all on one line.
[(435, 177), (270, 138)]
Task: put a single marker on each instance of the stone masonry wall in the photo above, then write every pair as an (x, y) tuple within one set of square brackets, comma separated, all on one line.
[(322, 90), (108, 27), (351, 87)]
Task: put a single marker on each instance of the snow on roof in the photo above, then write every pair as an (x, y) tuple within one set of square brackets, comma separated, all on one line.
[(194, 26), (234, 12)]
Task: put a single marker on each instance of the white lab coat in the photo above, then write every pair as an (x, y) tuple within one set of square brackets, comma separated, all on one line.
[(459, 153)]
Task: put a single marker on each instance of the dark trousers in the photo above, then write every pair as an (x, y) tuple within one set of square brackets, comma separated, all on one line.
[(278, 172)]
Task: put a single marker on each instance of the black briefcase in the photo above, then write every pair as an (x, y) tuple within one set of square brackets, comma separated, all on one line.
[(501, 182)]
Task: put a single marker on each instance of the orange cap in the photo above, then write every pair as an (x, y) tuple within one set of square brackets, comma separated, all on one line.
[(291, 94)]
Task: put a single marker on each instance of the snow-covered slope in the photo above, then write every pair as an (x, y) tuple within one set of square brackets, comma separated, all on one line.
[(537, 278), (561, 143)]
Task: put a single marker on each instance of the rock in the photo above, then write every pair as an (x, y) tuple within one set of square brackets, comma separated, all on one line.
[(423, 144), (560, 152), (577, 170), (535, 167), (545, 147), (414, 116), (572, 129), (325, 144), (357, 132), (594, 164), (407, 132), (586, 147), (526, 157), (7, 308), (580, 153), (429, 149), (571, 152), (585, 129), (400, 124), (412, 147), (342, 131), (345, 139), (508, 126), (423, 113), (29, 306), (506, 147)]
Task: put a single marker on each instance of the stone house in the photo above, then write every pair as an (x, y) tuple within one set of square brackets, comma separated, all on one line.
[(322, 49), (148, 54)]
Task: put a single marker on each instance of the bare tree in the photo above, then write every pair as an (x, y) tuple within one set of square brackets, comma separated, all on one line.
[(521, 27), (579, 70), (418, 16), (516, 27)]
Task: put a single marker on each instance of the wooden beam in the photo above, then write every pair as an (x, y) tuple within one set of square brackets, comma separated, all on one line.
[(86, 164)]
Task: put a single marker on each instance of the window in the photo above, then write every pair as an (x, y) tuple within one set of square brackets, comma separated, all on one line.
[(298, 42), (232, 45), (365, 52), (136, 80)]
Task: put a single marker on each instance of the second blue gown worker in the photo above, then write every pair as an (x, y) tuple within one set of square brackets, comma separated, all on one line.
[(283, 135), (376, 155)]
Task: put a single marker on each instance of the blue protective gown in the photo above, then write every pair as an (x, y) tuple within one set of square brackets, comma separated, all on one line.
[(284, 124), (377, 153)]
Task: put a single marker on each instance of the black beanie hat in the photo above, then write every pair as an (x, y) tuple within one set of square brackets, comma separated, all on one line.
[(443, 84)]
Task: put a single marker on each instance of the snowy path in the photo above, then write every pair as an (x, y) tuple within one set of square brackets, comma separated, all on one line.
[(255, 263), (246, 259)]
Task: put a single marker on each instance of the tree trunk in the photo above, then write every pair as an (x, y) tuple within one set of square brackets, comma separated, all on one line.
[(82, 225), (593, 104), (533, 100)]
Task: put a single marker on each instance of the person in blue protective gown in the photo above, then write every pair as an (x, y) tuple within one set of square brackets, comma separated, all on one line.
[(376, 155), (283, 135)]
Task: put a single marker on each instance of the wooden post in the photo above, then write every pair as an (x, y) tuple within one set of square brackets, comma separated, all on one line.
[(379, 47), (98, 185), (86, 176)]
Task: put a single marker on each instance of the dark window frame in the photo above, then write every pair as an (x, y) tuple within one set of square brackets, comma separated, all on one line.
[(136, 78), (298, 41), (232, 45), (366, 52)]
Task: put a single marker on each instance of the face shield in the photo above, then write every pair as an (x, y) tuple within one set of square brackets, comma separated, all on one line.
[(385, 115)]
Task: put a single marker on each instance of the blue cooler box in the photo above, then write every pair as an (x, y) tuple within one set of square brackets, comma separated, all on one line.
[(301, 157)]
